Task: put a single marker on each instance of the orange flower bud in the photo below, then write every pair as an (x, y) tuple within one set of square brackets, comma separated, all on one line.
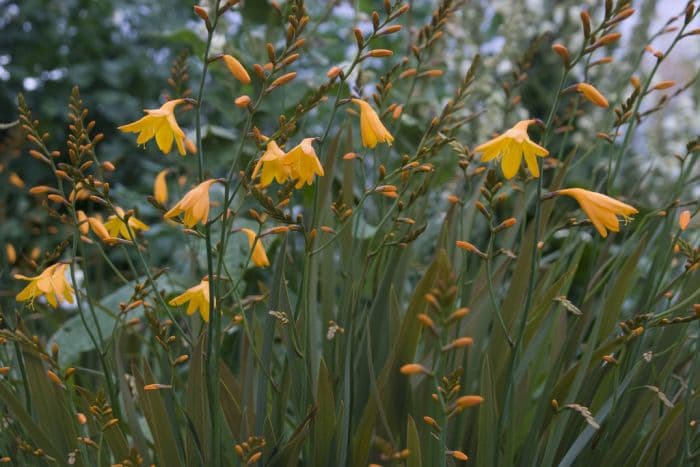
[(99, 228), (407, 73), (431, 421), (54, 377), (459, 455), (684, 219), (432, 73), (156, 386), (181, 359), (562, 51), (236, 69), (609, 38), (378, 53), (664, 85), (242, 101), (412, 369), (510, 222), (15, 180), (462, 342), (282, 80), (57, 198), (39, 190), (11, 253), (592, 94), (83, 223), (468, 401), (333, 72), (201, 12), (459, 314), (426, 321)]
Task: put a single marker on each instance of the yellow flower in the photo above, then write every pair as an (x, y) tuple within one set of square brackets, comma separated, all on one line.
[(271, 165), (371, 127), (602, 210), (51, 283), (300, 164), (117, 228), (161, 124), (160, 187), (259, 256), (195, 205), (511, 146), (198, 298), (303, 163)]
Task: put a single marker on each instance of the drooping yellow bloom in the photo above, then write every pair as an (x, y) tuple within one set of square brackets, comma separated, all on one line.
[(198, 298), (160, 187), (161, 124), (259, 257), (271, 165), (510, 147), (300, 164), (51, 283), (195, 205), (371, 127), (304, 163), (117, 228), (602, 210)]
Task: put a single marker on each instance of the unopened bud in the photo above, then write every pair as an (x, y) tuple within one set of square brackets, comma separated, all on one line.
[(242, 101), (413, 368), (510, 222), (562, 51), (236, 69)]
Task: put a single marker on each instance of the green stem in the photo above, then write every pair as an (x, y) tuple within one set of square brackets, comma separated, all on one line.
[(214, 330), (533, 277), (492, 293)]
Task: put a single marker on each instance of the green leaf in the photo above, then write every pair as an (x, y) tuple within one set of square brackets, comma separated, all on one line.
[(413, 444), (487, 419), (154, 409), (391, 383), (36, 435), (197, 406), (324, 424)]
